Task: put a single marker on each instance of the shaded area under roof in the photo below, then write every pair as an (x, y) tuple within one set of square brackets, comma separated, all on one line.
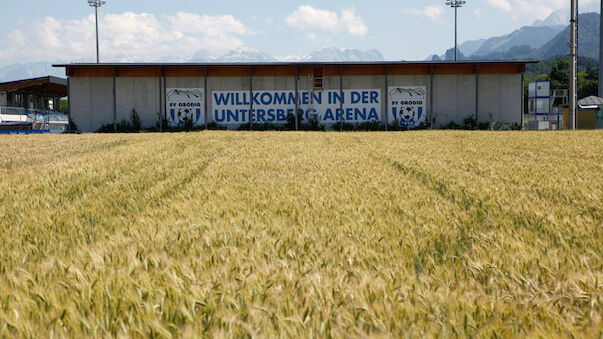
[(48, 86)]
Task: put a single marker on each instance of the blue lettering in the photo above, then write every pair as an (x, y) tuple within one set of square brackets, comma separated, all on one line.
[(336, 97), (280, 98), (271, 115), (349, 113), (373, 114), (280, 115), (305, 98), (374, 97), (218, 117), (360, 114), (291, 100), (365, 97), (318, 98), (232, 116), (329, 115), (221, 99), (338, 113), (266, 98), (355, 97), (255, 99), (260, 115)]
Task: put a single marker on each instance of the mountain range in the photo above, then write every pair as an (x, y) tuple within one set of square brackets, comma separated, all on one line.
[(32, 70), (542, 40)]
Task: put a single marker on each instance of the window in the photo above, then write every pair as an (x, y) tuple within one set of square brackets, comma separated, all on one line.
[(318, 78)]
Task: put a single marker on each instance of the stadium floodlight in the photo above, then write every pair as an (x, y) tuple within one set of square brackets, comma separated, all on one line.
[(456, 4), (96, 4)]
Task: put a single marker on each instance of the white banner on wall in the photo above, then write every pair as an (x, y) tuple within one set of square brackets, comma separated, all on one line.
[(185, 104), (232, 107), (407, 105)]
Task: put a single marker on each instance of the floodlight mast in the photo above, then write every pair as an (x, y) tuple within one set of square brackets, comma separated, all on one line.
[(96, 4), (573, 72), (456, 4)]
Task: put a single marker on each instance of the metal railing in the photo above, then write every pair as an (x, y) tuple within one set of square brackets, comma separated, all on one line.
[(40, 119)]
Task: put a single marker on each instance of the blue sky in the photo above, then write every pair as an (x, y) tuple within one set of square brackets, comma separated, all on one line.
[(63, 30)]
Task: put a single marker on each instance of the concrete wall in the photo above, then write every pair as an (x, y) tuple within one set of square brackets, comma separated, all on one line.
[(453, 96), (140, 94)]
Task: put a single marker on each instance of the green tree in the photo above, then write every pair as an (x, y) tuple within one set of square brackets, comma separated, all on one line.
[(588, 82), (560, 74)]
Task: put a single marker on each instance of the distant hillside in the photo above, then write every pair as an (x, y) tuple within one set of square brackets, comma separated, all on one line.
[(26, 71), (471, 46), (534, 37), (535, 42), (588, 39)]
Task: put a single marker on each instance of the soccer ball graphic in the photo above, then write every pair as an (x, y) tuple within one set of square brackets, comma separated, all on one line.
[(408, 113), (184, 114)]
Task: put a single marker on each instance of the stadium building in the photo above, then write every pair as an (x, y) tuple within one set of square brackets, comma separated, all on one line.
[(232, 94)]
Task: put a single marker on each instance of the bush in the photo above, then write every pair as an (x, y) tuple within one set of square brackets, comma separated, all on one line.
[(344, 126), (312, 125), (266, 126), (213, 126), (73, 126), (370, 126), (515, 127), (135, 123)]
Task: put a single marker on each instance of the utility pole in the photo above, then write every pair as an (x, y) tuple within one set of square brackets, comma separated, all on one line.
[(96, 4), (456, 4), (573, 98), (601, 53)]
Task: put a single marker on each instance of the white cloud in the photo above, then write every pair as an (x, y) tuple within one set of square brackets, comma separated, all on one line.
[(536, 9), (126, 36), (477, 13), (504, 5), (431, 12), (308, 18)]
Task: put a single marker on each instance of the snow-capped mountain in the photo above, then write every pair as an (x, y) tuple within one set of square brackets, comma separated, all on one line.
[(32, 70), (243, 54), (337, 54), (557, 18)]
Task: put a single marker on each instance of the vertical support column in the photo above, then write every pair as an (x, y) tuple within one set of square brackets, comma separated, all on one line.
[(341, 120), (250, 98), (601, 51), (386, 98), (431, 95), (205, 112), (476, 95), (161, 103), (114, 100), (163, 94), (297, 98), (68, 104), (523, 100)]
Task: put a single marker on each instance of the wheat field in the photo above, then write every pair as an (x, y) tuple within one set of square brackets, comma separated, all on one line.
[(238, 234)]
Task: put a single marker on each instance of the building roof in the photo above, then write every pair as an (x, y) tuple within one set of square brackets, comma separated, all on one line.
[(46, 86), (591, 102), (259, 69), (304, 63)]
